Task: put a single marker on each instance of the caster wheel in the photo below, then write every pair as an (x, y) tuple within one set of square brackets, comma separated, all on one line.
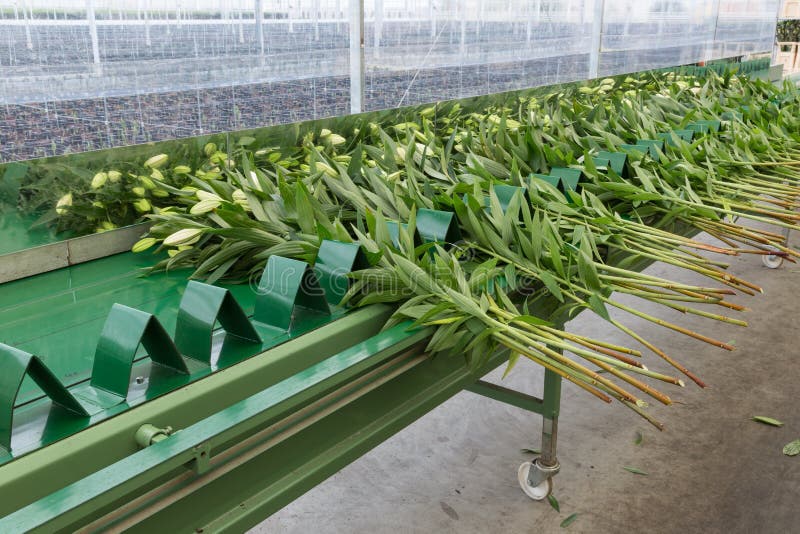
[(537, 493), (772, 261)]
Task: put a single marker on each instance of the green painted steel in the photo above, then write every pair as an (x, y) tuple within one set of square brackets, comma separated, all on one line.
[(61, 509), (287, 292), (40, 472), (552, 395), (201, 307), (507, 396)]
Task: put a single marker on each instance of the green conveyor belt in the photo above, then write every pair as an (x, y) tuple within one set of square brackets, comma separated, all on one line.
[(59, 317)]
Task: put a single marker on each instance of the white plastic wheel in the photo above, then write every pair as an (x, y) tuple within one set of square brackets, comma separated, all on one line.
[(772, 261), (537, 493)]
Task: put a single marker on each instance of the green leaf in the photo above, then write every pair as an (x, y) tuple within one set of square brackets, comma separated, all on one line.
[(531, 451), (554, 502), (530, 319), (598, 307), (792, 448), (551, 284), (639, 438), (587, 269), (569, 520), (634, 470), (513, 358), (767, 420)]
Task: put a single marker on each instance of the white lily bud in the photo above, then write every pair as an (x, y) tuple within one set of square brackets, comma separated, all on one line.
[(63, 204), (187, 236), (99, 180), (156, 161)]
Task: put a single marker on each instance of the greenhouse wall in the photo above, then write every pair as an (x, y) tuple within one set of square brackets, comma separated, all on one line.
[(79, 75)]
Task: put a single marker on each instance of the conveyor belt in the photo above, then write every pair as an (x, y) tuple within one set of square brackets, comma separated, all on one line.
[(58, 316)]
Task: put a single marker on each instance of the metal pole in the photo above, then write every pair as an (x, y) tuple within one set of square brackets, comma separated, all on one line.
[(597, 38), (316, 7), (93, 31), (712, 44), (356, 56), (552, 403), (259, 15), (433, 18), (378, 27), (27, 16), (778, 17)]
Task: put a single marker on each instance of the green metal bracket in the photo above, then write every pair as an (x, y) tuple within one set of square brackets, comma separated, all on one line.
[(16, 364), (335, 260), (654, 145), (288, 290), (124, 330), (615, 160), (507, 396), (437, 226), (569, 178), (201, 307), (201, 462)]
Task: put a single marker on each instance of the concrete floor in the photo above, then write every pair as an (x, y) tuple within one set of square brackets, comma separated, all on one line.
[(712, 469)]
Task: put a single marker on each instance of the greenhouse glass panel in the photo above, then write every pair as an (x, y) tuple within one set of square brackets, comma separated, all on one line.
[(647, 34), (745, 27), (427, 50), (80, 75)]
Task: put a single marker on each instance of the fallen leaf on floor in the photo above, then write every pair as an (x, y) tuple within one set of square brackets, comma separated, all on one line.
[(639, 438), (531, 451), (767, 420), (446, 508), (634, 470), (792, 448), (568, 521), (554, 502)]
